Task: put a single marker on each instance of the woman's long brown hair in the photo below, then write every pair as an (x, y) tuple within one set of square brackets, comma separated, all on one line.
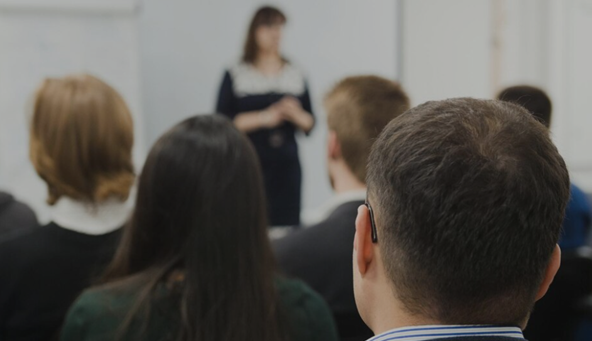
[(265, 16), (199, 229)]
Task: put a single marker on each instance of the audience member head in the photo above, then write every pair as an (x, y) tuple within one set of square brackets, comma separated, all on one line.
[(265, 33), (81, 139), (358, 108), (199, 227), (533, 99), (468, 198)]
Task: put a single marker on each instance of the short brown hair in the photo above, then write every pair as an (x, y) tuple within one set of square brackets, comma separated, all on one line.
[(469, 197), (532, 98), (358, 108), (265, 16), (81, 139)]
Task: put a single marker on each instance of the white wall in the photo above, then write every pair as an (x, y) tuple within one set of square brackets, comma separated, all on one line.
[(187, 44), (41, 39), (570, 79), (449, 48), (446, 49), (475, 47)]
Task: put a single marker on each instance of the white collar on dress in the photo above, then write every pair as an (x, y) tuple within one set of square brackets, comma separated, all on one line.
[(247, 80), (90, 219)]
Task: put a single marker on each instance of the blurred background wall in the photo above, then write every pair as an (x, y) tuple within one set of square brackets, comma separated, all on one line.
[(167, 58)]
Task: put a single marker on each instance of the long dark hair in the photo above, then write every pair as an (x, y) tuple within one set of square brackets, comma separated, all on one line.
[(200, 217), (264, 16)]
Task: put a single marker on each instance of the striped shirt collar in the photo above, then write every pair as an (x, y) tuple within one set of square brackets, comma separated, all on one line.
[(423, 333)]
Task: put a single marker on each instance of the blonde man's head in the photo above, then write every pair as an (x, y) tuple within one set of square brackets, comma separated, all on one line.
[(358, 108)]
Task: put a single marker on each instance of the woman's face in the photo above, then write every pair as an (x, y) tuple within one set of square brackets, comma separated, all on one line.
[(268, 37)]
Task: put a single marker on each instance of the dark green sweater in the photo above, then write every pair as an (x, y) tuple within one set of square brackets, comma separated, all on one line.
[(97, 315)]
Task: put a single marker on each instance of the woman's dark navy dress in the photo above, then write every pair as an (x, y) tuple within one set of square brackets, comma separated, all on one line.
[(246, 89)]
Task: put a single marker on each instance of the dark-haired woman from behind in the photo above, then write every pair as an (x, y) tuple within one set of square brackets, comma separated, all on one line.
[(195, 262)]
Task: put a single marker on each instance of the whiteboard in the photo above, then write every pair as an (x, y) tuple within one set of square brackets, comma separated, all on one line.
[(41, 39)]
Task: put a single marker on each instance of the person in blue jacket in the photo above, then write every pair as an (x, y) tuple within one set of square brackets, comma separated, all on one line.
[(578, 214)]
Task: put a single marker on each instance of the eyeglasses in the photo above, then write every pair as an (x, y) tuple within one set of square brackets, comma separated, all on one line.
[(372, 222)]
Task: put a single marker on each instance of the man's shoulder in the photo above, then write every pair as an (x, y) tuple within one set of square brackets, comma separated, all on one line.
[(340, 223), (577, 194), (296, 243), (29, 248), (14, 212), (314, 251), (24, 238)]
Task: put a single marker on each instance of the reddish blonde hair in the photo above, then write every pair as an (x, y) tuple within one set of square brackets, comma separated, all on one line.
[(81, 139), (358, 108)]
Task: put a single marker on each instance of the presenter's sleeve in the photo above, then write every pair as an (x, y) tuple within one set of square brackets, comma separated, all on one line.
[(306, 103), (227, 100)]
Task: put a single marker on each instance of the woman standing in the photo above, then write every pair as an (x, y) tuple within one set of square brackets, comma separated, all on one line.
[(195, 262), (267, 98)]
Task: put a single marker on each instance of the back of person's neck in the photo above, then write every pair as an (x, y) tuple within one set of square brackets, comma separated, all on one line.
[(392, 315), (383, 311), (343, 180), (346, 187)]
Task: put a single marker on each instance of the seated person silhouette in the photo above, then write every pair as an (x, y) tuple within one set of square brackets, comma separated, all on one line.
[(358, 108)]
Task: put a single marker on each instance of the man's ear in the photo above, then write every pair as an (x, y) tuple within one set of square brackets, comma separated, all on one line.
[(363, 246), (550, 273), (333, 146)]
